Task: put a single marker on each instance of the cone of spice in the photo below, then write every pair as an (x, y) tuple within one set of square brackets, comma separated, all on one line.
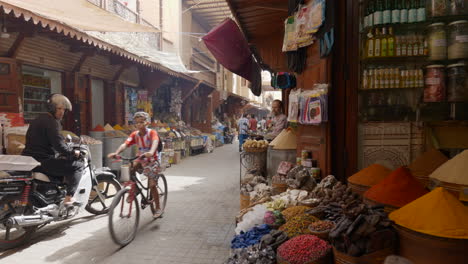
[(397, 189), (99, 128), (426, 164), (437, 213), (453, 171), (370, 176)]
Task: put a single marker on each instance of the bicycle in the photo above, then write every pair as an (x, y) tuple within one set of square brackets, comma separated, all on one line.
[(125, 209)]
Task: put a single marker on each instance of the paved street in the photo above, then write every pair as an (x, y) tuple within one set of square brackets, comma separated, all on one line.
[(197, 226)]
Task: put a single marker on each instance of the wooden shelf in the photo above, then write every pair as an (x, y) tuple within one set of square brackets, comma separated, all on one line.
[(388, 60), (37, 87), (390, 89), (34, 100)]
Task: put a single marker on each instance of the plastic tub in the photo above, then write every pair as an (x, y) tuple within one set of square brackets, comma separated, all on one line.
[(276, 156)]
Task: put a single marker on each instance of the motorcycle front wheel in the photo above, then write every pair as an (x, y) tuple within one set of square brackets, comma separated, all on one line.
[(13, 236), (108, 188)]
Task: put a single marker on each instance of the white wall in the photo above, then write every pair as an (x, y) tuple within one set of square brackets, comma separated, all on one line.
[(97, 102)]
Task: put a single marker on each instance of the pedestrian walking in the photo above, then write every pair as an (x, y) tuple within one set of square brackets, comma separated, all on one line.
[(243, 125)]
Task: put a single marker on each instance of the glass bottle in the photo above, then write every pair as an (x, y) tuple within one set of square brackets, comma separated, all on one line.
[(421, 45), (365, 84), (413, 11), (371, 79), (384, 43), (396, 12), (377, 44), (421, 17), (370, 45), (397, 78), (409, 45), (370, 19), (403, 46), (403, 12), (403, 79), (426, 47), (378, 78), (415, 45), (387, 12), (390, 43), (398, 46), (378, 16)]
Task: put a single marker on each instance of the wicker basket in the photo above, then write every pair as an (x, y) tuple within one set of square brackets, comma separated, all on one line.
[(279, 188), (357, 188), (454, 189), (427, 249), (320, 234), (247, 149), (327, 259), (387, 208), (377, 257)]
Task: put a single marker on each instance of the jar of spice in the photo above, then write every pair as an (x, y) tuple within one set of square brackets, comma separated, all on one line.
[(436, 8), (458, 7), (458, 40), (457, 89), (434, 90), (437, 42)]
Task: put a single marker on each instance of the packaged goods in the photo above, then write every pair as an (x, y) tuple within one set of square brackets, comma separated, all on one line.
[(457, 90), (435, 90), (437, 213), (437, 42), (458, 40), (437, 8)]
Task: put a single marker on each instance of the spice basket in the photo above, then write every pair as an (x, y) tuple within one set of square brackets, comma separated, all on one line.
[(377, 257), (320, 234), (244, 201), (247, 149), (327, 259), (454, 189), (387, 208), (279, 188), (357, 188), (427, 249)]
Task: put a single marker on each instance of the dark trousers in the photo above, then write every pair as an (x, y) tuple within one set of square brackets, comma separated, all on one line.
[(242, 138), (71, 170)]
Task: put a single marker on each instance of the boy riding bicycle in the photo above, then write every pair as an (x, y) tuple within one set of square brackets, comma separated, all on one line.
[(147, 141)]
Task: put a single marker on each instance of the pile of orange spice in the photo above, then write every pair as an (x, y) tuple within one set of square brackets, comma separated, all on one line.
[(370, 176), (397, 189)]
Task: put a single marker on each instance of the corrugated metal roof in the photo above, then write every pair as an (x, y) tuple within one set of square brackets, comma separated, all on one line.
[(208, 12)]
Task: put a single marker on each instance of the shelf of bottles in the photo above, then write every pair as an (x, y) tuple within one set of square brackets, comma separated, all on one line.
[(413, 60), (36, 92)]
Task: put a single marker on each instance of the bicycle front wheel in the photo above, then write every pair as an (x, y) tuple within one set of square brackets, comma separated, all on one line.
[(124, 215)]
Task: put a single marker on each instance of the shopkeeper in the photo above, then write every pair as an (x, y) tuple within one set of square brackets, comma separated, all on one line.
[(279, 120)]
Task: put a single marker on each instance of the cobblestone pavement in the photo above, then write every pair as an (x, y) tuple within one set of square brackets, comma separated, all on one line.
[(197, 226)]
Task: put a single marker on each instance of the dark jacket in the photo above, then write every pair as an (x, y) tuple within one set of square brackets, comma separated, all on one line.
[(43, 139)]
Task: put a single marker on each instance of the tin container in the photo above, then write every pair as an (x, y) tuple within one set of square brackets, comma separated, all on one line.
[(435, 90), (458, 40), (437, 42), (457, 89)]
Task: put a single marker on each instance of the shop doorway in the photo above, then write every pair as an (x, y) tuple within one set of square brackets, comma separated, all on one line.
[(97, 102)]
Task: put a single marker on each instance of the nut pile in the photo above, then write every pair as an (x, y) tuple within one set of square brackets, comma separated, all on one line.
[(294, 211), (298, 225), (303, 249), (89, 140), (322, 226)]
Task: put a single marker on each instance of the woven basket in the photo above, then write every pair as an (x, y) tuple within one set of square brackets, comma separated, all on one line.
[(320, 234), (427, 249), (247, 149), (279, 188), (327, 259), (387, 208), (377, 257), (357, 188), (454, 189), (244, 201)]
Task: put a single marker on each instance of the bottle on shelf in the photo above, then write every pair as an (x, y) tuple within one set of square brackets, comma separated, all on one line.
[(426, 47), (365, 83), (390, 43), (409, 45), (369, 45), (398, 46), (377, 45), (412, 11), (378, 10), (396, 73), (370, 19), (421, 45), (404, 11), (402, 79), (396, 12), (403, 46), (387, 12), (421, 17), (415, 45), (371, 79), (384, 43)]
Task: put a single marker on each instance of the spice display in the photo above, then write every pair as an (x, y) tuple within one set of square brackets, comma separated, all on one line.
[(286, 199), (294, 211), (251, 237), (361, 229), (397, 189), (457, 90), (437, 213), (458, 7), (274, 239), (437, 42), (299, 178), (253, 254), (298, 225), (437, 8), (285, 140), (458, 40), (260, 144), (434, 90), (251, 218), (274, 218), (454, 170), (322, 225), (108, 127), (427, 163), (117, 127), (89, 140), (278, 204), (329, 190), (370, 175), (98, 128), (303, 249)]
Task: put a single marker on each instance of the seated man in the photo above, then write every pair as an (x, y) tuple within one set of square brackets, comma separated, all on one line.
[(45, 144)]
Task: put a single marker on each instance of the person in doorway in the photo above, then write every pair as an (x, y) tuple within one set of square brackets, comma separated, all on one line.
[(243, 125), (147, 140), (46, 145), (253, 123), (268, 122), (262, 124), (279, 120)]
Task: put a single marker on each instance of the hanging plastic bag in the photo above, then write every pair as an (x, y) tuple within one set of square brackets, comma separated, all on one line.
[(315, 15), (293, 106), (302, 17), (289, 41)]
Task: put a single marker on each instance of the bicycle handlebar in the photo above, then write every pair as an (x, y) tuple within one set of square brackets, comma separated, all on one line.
[(128, 159)]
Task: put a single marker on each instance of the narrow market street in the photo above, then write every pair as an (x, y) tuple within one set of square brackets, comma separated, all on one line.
[(197, 226)]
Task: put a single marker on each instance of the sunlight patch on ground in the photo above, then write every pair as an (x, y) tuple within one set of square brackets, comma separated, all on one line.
[(179, 183)]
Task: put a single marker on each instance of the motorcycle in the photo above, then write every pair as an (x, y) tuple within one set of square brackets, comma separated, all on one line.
[(30, 200)]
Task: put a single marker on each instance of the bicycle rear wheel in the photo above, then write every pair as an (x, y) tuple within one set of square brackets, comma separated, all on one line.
[(162, 191), (124, 215)]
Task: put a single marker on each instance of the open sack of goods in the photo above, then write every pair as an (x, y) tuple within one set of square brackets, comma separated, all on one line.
[(14, 139), (251, 145)]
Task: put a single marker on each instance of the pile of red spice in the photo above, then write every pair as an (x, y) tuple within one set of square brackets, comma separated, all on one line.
[(99, 128), (397, 189), (303, 249)]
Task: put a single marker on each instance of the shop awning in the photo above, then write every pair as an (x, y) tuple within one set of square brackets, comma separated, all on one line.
[(79, 14), (228, 45)]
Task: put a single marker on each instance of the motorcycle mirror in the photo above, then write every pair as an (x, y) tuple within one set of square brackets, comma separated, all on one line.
[(69, 138)]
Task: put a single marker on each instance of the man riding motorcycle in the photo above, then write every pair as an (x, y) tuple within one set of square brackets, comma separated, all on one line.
[(44, 142)]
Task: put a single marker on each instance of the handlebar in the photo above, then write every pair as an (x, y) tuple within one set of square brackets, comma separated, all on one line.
[(127, 158)]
